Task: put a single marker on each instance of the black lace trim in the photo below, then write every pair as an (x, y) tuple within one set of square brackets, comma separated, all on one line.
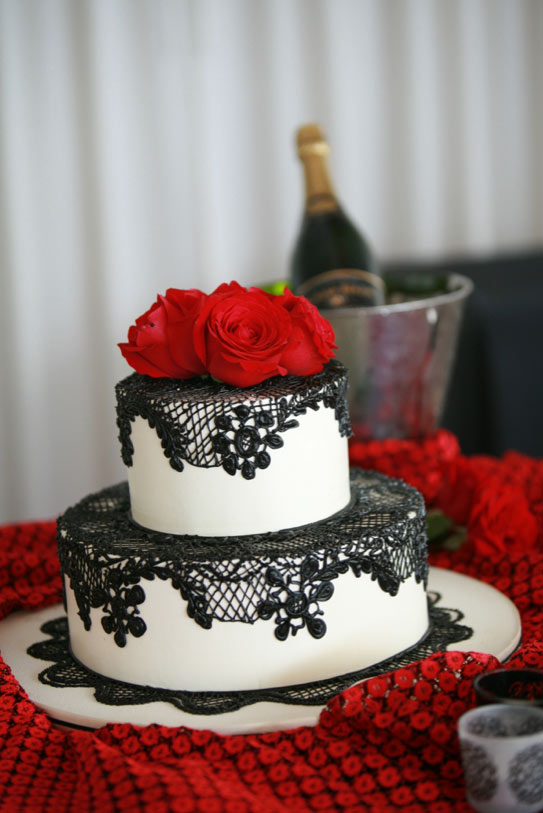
[(209, 424), (445, 630), (286, 576)]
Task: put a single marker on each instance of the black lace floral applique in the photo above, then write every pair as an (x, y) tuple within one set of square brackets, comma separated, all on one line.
[(243, 445), (210, 425), (295, 602), (121, 613)]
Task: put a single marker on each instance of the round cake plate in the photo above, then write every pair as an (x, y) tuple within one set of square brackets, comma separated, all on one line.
[(494, 619)]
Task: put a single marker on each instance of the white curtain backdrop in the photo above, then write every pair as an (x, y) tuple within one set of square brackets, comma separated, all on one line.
[(150, 143)]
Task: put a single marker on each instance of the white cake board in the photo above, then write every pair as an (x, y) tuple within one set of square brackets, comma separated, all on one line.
[(494, 619)]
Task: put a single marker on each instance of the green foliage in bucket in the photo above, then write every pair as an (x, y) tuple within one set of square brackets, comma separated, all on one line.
[(276, 287)]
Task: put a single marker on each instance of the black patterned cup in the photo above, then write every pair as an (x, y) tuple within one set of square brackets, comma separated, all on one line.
[(517, 687), (502, 754)]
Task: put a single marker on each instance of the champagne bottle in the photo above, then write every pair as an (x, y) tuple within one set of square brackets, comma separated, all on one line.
[(332, 265)]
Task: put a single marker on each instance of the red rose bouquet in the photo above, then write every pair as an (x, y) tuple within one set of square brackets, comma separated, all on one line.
[(240, 336)]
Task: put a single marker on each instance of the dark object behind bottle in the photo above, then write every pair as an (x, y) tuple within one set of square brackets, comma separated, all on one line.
[(332, 264), (495, 399)]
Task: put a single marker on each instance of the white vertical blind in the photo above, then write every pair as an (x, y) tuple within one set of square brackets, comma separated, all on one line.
[(150, 143)]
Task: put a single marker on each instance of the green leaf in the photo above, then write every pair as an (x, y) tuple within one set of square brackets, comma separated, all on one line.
[(438, 525), (275, 287), (442, 532)]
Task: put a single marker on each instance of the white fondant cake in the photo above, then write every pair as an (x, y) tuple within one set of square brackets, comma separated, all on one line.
[(364, 626), (242, 555)]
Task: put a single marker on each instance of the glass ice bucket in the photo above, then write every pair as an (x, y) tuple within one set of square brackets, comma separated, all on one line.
[(400, 358)]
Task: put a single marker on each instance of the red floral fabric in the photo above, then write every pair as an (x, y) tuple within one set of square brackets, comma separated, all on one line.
[(386, 744)]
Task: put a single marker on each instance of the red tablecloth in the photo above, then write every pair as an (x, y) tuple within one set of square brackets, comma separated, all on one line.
[(387, 744)]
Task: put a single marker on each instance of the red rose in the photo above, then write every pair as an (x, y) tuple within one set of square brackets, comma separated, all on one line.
[(455, 497), (312, 342), (161, 343), (500, 520), (240, 335)]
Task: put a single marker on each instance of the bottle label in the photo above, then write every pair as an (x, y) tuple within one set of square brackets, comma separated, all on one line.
[(343, 288), (316, 204)]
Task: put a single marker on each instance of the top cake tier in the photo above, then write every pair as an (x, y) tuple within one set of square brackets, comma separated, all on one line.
[(210, 459)]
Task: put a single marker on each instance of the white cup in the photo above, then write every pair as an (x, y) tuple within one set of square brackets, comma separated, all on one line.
[(502, 754)]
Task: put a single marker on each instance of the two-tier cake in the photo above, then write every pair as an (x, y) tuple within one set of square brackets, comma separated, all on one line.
[(243, 554)]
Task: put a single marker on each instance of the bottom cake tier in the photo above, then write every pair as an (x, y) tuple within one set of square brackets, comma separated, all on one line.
[(234, 614)]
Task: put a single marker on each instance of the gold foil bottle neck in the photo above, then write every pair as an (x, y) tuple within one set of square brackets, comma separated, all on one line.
[(310, 140), (313, 151)]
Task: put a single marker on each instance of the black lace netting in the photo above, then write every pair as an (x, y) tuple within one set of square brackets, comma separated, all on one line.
[(445, 629), (286, 576), (209, 424)]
